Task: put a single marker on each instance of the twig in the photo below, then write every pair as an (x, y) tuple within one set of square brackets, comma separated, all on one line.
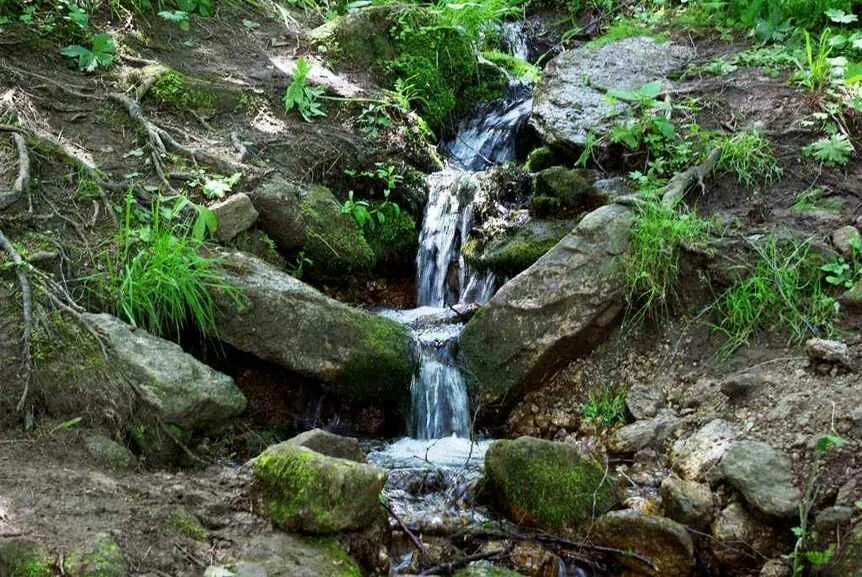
[(449, 567), (22, 183), (27, 314), (679, 184), (423, 550)]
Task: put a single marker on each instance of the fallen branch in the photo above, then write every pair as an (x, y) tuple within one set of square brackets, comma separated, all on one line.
[(449, 567), (680, 183), (423, 550), (22, 183), (26, 313)]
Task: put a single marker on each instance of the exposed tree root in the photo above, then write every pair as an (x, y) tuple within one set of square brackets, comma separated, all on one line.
[(27, 315), (675, 190), (22, 183)]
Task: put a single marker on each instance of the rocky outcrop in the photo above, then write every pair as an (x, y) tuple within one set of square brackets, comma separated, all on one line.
[(764, 476), (330, 444), (571, 99), (280, 319), (180, 389), (556, 310), (664, 542), (546, 484), (305, 491)]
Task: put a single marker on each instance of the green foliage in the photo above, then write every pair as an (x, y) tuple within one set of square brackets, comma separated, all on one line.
[(302, 97), (297, 269), (651, 269), (516, 67), (158, 279), (832, 150), (606, 408), (624, 28), (811, 199), (815, 72), (174, 89), (782, 292), (842, 272), (178, 17), (100, 54), (749, 156), (804, 13)]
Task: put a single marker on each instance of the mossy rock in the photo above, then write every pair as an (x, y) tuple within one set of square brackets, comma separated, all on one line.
[(546, 484), (360, 40), (280, 554), (849, 560), (485, 569), (562, 191), (25, 559), (540, 159), (101, 558), (185, 523), (258, 243), (312, 493), (183, 93), (516, 250), (110, 453)]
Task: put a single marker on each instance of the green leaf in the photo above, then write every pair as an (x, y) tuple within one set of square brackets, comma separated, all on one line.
[(825, 442), (841, 17), (206, 222)]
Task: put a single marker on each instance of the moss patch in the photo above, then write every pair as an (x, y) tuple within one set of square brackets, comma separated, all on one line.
[(384, 373), (516, 250), (183, 522), (103, 558), (173, 89), (24, 559), (562, 191), (342, 564)]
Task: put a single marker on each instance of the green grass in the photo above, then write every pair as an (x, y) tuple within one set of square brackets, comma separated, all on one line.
[(815, 71), (651, 269), (749, 156), (812, 199), (783, 292), (606, 407), (624, 28)]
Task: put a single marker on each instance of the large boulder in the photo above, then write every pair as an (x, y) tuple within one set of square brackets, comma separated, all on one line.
[(558, 309), (546, 484), (180, 389), (764, 476), (515, 250), (279, 554), (280, 319), (571, 99), (665, 543), (308, 492), (330, 444)]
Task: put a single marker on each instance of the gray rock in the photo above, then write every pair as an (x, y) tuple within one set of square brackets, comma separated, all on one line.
[(829, 517), (277, 202), (828, 351), (644, 401), (235, 214), (687, 502), (852, 297), (182, 390), (571, 100), (764, 476), (734, 526), (278, 554), (101, 557), (744, 383), (109, 453), (843, 239), (646, 433), (775, 568), (666, 543), (365, 357), (696, 457), (330, 444), (558, 309)]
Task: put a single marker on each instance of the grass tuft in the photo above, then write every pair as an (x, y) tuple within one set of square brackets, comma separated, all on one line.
[(749, 156)]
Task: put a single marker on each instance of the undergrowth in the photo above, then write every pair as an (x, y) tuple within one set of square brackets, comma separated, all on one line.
[(607, 407), (749, 156)]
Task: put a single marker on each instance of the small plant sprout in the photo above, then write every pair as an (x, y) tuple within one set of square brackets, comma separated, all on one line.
[(300, 96), (607, 407), (100, 54), (834, 150)]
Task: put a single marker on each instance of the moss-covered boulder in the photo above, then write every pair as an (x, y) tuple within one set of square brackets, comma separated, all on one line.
[(280, 554), (560, 191), (361, 356), (101, 557), (182, 93), (545, 484), (665, 543), (277, 203), (330, 444), (305, 491), (515, 250), (25, 559), (360, 39)]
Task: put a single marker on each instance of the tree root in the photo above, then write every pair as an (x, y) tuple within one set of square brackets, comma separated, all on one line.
[(27, 314), (675, 190), (22, 183), (450, 566)]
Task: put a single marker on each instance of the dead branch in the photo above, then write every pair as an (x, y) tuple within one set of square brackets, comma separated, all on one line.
[(680, 183), (22, 183), (449, 567), (26, 313), (423, 550)]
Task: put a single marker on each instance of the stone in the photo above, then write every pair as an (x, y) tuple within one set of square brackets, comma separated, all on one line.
[(278, 554), (764, 476), (546, 484), (280, 319), (25, 559), (645, 433), (849, 559), (514, 251), (311, 493), (843, 240), (665, 542), (644, 401), (235, 214), (571, 99), (687, 502), (560, 308), (695, 457), (184, 522), (277, 202), (744, 383), (775, 568), (330, 444), (829, 517), (734, 525), (829, 352), (179, 388), (101, 557), (485, 569), (852, 297), (110, 453), (559, 190)]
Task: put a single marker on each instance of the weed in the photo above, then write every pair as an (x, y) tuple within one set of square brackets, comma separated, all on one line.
[(749, 156), (782, 292), (100, 54), (811, 199), (842, 272), (304, 98), (297, 269), (832, 150), (607, 407), (816, 71)]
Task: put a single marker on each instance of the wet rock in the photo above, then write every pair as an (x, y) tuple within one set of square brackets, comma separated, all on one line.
[(514, 251), (744, 383), (312, 493), (558, 309), (687, 502), (280, 554), (235, 214), (559, 190), (646, 433), (666, 543), (571, 100), (644, 401), (182, 390), (330, 444), (25, 559), (110, 453), (844, 238), (695, 457), (101, 557), (485, 569), (736, 533), (849, 560), (546, 484), (764, 476), (829, 352), (361, 356)]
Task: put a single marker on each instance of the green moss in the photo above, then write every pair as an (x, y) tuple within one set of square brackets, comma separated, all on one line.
[(185, 523), (24, 559), (545, 484), (384, 374), (625, 28), (517, 67), (540, 159), (295, 483), (393, 240), (562, 191), (102, 559), (343, 564), (173, 89)]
